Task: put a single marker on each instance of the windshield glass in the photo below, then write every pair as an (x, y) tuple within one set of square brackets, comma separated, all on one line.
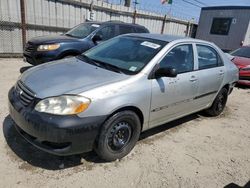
[(127, 53), (82, 30), (242, 52)]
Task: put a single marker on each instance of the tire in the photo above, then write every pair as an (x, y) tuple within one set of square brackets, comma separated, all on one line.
[(118, 135), (218, 104)]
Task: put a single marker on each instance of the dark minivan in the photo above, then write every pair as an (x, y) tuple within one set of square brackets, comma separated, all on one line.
[(76, 41)]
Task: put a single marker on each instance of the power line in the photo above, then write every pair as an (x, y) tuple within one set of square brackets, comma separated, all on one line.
[(180, 6), (191, 3), (200, 2)]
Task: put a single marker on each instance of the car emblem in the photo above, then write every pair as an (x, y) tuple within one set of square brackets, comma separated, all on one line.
[(21, 92)]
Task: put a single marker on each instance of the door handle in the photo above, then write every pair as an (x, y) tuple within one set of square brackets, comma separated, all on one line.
[(221, 72), (193, 79)]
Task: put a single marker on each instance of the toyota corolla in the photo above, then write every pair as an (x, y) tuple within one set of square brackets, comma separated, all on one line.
[(104, 98)]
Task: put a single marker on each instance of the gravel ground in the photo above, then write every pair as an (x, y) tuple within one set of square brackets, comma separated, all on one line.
[(195, 151)]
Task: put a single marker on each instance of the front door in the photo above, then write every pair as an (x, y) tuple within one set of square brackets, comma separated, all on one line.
[(172, 97)]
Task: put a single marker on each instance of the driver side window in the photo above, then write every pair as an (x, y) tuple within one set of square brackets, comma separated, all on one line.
[(181, 58), (107, 32)]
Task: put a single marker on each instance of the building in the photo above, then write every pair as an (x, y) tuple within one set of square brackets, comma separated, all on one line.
[(226, 26)]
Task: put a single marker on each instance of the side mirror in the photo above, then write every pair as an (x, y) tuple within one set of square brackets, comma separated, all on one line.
[(96, 38), (165, 72)]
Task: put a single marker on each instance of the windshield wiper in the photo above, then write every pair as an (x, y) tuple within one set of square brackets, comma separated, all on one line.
[(72, 35), (100, 63), (109, 66), (88, 60)]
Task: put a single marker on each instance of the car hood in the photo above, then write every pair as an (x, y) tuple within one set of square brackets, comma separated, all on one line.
[(52, 39), (241, 62), (67, 76)]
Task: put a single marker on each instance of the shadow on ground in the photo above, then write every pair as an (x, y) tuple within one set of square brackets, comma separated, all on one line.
[(238, 86), (233, 185), (35, 157), (23, 69)]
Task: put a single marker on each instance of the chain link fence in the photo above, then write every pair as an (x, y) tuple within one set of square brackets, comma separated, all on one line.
[(50, 17)]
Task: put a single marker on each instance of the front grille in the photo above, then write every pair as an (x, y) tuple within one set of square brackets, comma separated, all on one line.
[(244, 78), (25, 94), (30, 47)]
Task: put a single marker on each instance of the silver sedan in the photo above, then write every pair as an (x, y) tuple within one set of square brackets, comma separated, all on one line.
[(104, 98)]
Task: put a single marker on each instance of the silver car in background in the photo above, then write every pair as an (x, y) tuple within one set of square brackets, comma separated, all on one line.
[(104, 98)]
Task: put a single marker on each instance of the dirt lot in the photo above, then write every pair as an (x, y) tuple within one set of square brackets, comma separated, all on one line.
[(195, 151)]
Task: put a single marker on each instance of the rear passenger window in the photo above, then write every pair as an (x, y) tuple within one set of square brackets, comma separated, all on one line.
[(126, 29), (107, 32), (141, 30), (208, 57), (181, 58)]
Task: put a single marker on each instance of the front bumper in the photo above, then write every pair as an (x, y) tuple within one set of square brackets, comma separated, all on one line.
[(244, 78), (244, 82), (59, 135), (37, 58)]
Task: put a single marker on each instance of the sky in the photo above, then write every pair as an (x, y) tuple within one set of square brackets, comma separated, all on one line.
[(185, 9)]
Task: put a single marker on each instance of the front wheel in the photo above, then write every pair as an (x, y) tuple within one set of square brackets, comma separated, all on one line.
[(218, 104), (118, 136), (68, 56)]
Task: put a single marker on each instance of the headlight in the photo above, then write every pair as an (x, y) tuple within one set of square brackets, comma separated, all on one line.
[(247, 68), (63, 105), (48, 47)]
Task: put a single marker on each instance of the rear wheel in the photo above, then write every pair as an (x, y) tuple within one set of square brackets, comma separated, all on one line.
[(118, 136), (218, 104)]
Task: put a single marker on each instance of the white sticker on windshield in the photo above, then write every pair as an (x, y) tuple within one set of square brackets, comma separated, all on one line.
[(132, 68), (150, 45), (95, 25)]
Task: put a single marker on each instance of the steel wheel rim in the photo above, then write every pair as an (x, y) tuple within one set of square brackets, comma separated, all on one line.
[(119, 136)]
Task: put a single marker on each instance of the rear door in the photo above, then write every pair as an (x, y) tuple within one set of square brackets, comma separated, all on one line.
[(210, 73)]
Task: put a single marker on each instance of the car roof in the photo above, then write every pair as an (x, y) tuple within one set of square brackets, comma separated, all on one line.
[(121, 23), (166, 38), (113, 22), (92, 22)]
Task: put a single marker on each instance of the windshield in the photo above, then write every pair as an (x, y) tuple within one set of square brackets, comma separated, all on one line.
[(242, 52), (126, 53), (82, 30)]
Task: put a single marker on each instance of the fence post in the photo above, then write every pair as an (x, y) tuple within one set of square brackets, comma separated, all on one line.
[(188, 29), (163, 24), (23, 22), (191, 30), (134, 17)]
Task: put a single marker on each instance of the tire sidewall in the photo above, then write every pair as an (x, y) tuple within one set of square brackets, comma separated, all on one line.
[(223, 92), (103, 150)]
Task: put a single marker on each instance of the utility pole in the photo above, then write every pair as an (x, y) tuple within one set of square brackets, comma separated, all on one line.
[(135, 12), (91, 13)]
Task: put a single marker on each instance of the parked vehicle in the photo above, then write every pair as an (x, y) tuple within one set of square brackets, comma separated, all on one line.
[(76, 41), (104, 98), (242, 61)]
